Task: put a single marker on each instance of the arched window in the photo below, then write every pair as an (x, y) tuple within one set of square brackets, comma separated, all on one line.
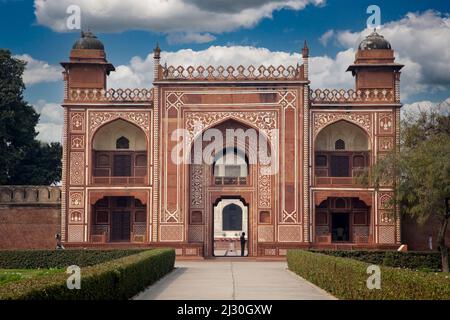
[(232, 218), (230, 167), (339, 144), (122, 143)]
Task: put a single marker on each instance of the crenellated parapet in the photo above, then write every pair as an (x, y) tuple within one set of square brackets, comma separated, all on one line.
[(230, 73), (30, 195)]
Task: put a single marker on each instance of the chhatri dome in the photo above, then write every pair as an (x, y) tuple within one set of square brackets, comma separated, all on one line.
[(374, 41), (88, 41)]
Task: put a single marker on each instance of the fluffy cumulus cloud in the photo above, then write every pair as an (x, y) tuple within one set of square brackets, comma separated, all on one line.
[(168, 16), (324, 71), (420, 41), (37, 71), (50, 123), (139, 72)]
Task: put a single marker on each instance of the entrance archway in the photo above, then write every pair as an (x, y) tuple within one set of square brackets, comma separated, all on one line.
[(230, 221), (119, 219)]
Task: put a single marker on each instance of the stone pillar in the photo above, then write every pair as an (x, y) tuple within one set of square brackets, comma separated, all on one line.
[(155, 184)]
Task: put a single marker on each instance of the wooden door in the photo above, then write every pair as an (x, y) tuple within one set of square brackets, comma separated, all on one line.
[(120, 226), (122, 165), (340, 166)]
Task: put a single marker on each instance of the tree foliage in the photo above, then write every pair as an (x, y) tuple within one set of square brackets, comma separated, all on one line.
[(420, 169), (23, 160)]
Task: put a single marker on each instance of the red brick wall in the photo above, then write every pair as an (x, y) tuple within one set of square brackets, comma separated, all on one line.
[(29, 226), (29, 217)]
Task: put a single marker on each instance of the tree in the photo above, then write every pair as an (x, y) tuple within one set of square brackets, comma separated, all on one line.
[(421, 171), (23, 160), (40, 166)]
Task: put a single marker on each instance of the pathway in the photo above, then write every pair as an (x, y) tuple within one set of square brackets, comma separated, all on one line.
[(232, 279)]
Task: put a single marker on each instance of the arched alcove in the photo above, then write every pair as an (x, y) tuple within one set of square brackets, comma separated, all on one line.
[(119, 154), (107, 137), (342, 149), (343, 134)]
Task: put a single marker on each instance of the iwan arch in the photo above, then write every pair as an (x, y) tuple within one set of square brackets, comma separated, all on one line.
[(121, 186)]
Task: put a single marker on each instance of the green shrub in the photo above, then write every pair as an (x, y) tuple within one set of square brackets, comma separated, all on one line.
[(117, 279), (45, 259), (346, 278), (412, 260)]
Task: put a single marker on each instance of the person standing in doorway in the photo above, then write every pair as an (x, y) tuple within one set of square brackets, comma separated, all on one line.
[(242, 243)]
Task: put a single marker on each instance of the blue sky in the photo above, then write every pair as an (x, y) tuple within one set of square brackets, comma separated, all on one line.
[(419, 29)]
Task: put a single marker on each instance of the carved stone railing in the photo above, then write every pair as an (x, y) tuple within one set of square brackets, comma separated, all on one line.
[(110, 95), (230, 73), (352, 96)]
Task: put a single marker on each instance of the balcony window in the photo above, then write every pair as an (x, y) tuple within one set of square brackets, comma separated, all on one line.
[(230, 168), (119, 154), (342, 151)]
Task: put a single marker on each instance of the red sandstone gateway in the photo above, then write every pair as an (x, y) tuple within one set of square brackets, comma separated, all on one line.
[(121, 187)]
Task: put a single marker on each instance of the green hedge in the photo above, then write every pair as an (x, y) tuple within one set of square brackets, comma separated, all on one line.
[(346, 278), (117, 279), (36, 259), (425, 261)]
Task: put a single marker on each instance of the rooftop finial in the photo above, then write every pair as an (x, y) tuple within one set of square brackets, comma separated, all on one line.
[(305, 50), (157, 51)]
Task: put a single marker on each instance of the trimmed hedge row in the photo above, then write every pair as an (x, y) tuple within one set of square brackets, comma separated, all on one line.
[(117, 279), (429, 261), (347, 278), (36, 259)]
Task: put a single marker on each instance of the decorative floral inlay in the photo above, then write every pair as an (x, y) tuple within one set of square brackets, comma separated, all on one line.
[(321, 120)]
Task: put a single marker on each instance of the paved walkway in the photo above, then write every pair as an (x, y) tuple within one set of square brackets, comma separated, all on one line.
[(232, 279)]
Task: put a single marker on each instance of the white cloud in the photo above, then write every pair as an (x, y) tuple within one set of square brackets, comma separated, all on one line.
[(420, 41), (139, 72), (325, 72), (418, 107), (167, 16), (326, 37), (190, 37), (50, 121), (37, 71)]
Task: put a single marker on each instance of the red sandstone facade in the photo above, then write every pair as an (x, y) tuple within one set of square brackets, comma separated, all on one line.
[(121, 187)]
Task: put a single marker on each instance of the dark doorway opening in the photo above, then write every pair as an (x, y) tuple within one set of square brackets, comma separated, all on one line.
[(120, 226), (340, 225)]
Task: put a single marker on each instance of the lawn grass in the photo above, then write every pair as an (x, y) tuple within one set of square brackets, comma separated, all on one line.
[(11, 275)]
